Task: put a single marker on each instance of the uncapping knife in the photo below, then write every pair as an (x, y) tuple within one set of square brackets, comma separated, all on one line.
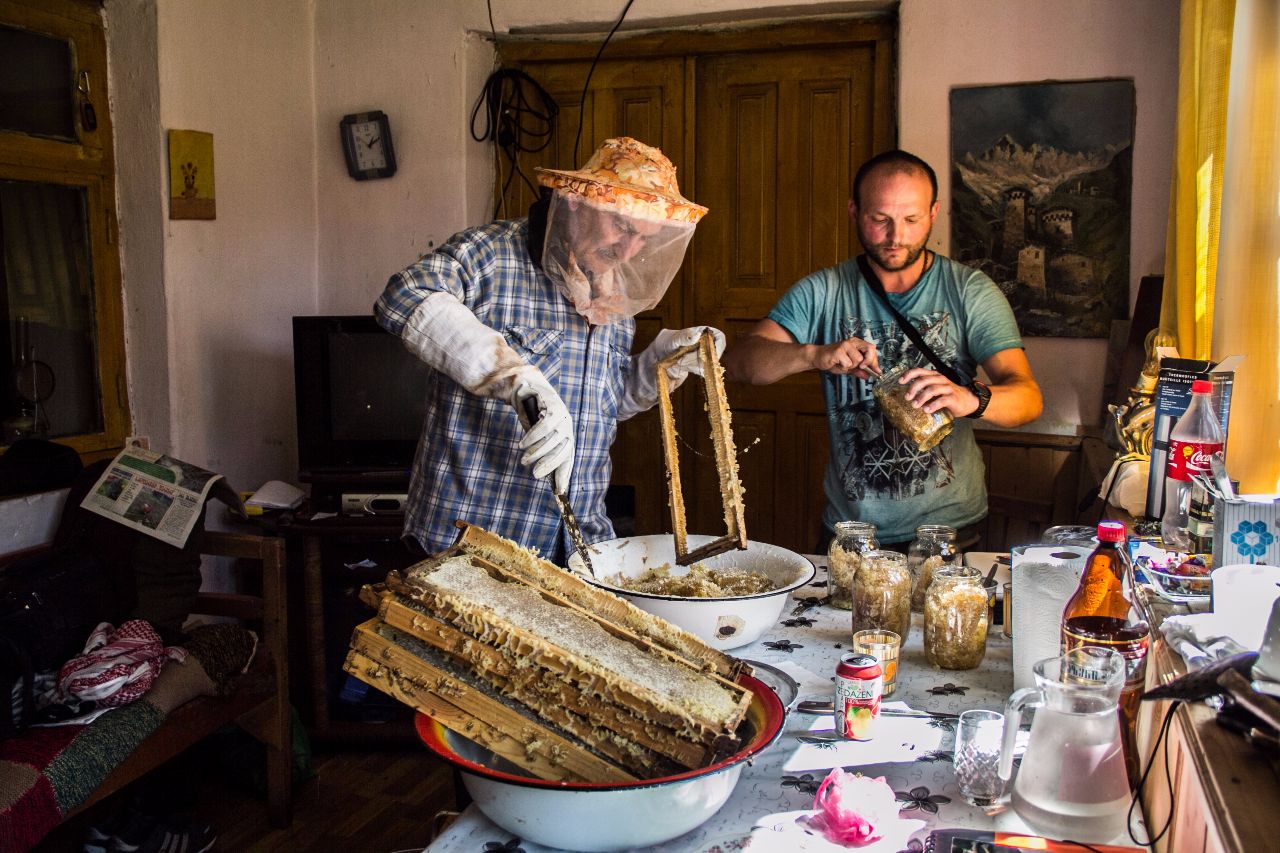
[(533, 414)]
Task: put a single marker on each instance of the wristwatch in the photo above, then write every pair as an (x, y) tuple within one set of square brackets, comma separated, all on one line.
[(983, 393)]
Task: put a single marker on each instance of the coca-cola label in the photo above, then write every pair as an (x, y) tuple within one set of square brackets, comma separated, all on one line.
[(1186, 457)]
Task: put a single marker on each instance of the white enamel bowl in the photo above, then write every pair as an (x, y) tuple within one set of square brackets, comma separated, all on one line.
[(602, 816), (722, 623)]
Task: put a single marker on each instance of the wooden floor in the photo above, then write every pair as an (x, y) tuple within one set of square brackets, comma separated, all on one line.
[(360, 800)]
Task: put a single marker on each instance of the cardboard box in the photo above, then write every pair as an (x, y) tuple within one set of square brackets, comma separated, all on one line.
[(1246, 529), (1172, 396)]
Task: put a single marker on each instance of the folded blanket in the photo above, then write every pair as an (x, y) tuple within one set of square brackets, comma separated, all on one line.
[(49, 771)]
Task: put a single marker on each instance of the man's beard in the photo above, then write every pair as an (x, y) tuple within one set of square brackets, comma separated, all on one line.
[(877, 254)]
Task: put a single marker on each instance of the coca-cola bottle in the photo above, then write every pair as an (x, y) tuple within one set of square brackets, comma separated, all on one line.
[(1195, 438), (1105, 611)]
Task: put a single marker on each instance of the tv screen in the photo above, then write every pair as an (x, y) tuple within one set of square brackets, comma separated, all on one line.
[(360, 398)]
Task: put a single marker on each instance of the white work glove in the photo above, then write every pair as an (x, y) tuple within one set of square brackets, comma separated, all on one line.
[(444, 334), (641, 393), (548, 444)]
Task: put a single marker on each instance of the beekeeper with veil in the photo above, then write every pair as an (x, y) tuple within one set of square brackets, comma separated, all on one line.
[(541, 308)]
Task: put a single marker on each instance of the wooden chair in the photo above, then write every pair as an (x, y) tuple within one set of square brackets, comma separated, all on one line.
[(260, 700)]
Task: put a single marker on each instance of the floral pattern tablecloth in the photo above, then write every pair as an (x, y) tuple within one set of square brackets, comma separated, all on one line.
[(912, 754)]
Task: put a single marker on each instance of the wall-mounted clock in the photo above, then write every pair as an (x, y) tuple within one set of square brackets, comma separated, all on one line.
[(366, 142)]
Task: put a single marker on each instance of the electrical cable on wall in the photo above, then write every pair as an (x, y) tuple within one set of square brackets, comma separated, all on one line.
[(520, 116), (585, 86)]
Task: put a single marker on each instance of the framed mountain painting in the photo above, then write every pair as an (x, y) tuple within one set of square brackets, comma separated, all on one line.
[(1041, 188)]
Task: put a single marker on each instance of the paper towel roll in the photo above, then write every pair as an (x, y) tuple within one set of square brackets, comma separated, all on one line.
[(1244, 594), (1043, 580)]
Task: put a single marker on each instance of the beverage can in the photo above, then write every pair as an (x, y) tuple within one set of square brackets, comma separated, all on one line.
[(859, 688)]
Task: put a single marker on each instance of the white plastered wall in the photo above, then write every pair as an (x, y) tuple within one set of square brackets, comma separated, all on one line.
[(208, 304)]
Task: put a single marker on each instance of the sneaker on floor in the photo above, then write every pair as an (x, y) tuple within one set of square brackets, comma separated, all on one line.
[(171, 835), (99, 837)]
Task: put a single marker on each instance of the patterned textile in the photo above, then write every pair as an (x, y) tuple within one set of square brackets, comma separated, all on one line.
[(468, 460), (118, 665), (49, 771)]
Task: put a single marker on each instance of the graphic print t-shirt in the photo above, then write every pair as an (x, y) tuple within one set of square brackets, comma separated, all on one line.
[(876, 474)]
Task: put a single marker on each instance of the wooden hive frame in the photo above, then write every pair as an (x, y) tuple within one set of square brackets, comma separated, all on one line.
[(485, 626), (546, 575), (717, 406), (558, 701), (470, 710)]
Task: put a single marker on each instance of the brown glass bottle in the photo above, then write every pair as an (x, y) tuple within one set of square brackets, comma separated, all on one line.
[(1104, 611)]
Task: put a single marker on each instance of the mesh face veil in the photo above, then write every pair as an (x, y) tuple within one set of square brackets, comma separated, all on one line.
[(617, 230), (607, 264)]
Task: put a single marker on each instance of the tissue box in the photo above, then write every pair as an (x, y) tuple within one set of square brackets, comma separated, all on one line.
[(1246, 529)]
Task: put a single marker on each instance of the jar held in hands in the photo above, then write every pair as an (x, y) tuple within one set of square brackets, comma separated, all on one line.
[(926, 429), (882, 594), (933, 548), (853, 540), (955, 618)]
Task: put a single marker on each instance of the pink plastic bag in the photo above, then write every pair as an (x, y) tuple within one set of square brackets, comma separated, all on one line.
[(853, 809)]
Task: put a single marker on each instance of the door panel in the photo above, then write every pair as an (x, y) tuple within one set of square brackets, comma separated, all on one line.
[(779, 137), (765, 128), (644, 101)]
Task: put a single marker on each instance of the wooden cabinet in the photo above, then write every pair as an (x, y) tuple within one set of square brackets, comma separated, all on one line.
[(335, 556), (1221, 791)]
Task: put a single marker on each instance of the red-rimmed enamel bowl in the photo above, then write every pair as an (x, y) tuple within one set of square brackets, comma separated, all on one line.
[(609, 815)]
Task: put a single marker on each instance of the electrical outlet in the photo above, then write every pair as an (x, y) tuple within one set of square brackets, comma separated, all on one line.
[(138, 441)]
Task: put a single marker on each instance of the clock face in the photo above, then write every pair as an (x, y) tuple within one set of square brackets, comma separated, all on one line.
[(370, 149)]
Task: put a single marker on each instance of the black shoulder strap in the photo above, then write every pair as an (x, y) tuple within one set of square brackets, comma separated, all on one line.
[(908, 328)]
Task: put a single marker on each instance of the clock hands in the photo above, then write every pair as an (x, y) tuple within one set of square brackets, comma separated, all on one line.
[(373, 141)]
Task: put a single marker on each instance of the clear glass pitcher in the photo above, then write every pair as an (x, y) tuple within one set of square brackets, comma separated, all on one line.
[(1072, 782)]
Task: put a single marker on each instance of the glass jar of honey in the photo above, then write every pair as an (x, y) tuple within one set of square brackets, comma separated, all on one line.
[(933, 548), (844, 558), (955, 618)]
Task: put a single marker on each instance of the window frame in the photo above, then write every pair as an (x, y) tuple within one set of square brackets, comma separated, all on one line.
[(87, 163)]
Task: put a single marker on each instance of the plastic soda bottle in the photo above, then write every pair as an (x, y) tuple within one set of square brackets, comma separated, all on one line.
[(1195, 438)]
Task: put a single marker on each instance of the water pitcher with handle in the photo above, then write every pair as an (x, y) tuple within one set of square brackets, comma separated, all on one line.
[(1072, 782)]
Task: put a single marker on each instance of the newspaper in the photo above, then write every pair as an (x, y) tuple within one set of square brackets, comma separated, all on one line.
[(156, 494)]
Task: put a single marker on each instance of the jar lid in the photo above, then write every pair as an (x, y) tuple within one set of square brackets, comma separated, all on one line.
[(967, 574)]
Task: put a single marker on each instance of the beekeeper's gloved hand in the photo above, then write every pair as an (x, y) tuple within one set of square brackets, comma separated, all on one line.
[(548, 444), (447, 336), (641, 393)]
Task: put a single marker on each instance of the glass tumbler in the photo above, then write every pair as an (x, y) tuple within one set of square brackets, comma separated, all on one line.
[(977, 757), (885, 646)]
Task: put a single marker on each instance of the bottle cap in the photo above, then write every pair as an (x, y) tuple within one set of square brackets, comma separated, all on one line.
[(1201, 386), (1111, 531)]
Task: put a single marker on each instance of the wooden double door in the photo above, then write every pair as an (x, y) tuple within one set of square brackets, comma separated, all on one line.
[(766, 128)]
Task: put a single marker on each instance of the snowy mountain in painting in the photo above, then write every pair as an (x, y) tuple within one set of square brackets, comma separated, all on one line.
[(1040, 169)]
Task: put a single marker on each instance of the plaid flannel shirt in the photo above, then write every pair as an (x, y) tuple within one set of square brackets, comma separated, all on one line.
[(467, 464)]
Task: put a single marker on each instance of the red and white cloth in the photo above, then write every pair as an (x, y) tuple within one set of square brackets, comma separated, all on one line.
[(118, 665)]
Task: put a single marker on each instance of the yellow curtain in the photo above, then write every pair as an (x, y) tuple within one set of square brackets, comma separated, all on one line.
[(1246, 307), (1204, 62)]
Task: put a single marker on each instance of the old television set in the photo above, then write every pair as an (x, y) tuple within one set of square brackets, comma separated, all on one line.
[(360, 400)]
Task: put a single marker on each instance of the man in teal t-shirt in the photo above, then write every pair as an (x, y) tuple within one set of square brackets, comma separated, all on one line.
[(831, 321)]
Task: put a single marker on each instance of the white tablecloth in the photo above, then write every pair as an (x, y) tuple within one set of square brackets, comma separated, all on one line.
[(913, 755)]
